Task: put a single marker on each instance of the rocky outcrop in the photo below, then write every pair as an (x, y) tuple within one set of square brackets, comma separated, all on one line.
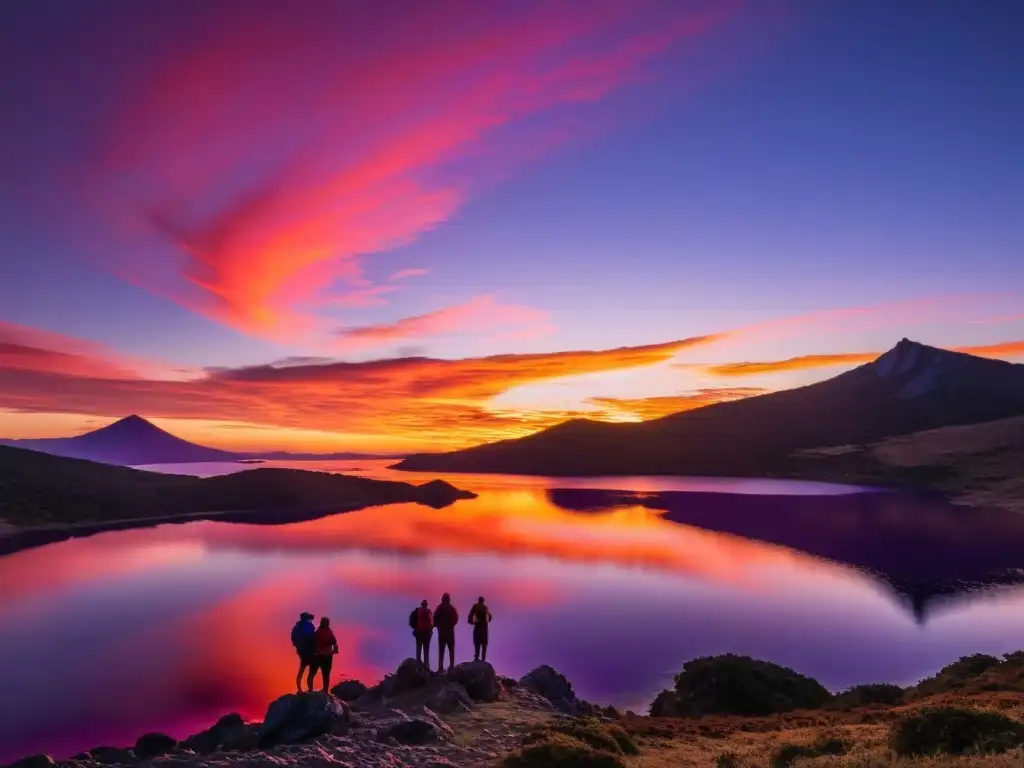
[(349, 690), (298, 717), (154, 745), (417, 731), (478, 678), (554, 687), (230, 734), (34, 761)]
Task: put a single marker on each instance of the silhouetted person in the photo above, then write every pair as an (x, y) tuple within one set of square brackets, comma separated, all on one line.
[(445, 619), (302, 638), (480, 618), (421, 621), (326, 646)]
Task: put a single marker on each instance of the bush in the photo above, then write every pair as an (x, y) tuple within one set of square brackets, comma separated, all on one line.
[(664, 705), (787, 753), (955, 731), (727, 760), (561, 752), (740, 685), (591, 733), (873, 693), (955, 675)]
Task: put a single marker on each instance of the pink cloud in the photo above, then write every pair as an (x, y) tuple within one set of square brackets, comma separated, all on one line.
[(271, 176), (484, 315), (405, 274)]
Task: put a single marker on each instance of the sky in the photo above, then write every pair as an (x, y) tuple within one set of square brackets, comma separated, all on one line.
[(415, 226)]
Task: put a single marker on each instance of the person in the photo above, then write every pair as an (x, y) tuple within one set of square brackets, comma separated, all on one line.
[(445, 619), (302, 639), (421, 621), (326, 645), (480, 617)]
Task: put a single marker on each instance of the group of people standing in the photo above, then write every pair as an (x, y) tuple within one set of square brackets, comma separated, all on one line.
[(444, 619), (317, 646)]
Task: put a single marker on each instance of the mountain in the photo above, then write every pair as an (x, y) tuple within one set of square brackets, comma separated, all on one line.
[(39, 493), (910, 388), (133, 441)]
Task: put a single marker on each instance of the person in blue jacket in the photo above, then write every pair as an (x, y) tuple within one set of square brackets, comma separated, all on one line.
[(303, 638)]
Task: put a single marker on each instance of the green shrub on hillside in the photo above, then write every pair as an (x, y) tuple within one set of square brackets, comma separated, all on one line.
[(787, 753), (592, 733), (955, 731), (740, 685), (955, 675), (561, 751), (885, 694)]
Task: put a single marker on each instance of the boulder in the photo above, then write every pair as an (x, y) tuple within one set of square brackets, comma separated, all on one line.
[(545, 681), (34, 761), (478, 678), (508, 682), (448, 698), (349, 690), (415, 732), (230, 734), (110, 755), (409, 676), (154, 745), (298, 717)]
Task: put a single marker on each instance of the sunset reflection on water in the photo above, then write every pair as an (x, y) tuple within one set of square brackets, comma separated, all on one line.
[(170, 627)]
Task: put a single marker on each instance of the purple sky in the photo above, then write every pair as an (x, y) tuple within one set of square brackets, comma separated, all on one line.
[(189, 186)]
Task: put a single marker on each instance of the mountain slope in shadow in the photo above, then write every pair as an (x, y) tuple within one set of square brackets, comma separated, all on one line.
[(910, 388)]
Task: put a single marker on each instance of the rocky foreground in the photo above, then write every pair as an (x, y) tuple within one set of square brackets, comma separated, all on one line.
[(726, 711), (468, 717)]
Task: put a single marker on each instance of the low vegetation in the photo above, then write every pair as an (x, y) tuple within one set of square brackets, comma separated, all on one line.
[(968, 715)]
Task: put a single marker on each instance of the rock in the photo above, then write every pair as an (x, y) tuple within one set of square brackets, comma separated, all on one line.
[(411, 674), (154, 745), (110, 755), (34, 761), (508, 682), (415, 732), (449, 698), (298, 717), (349, 690), (230, 734), (545, 681), (478, 678)]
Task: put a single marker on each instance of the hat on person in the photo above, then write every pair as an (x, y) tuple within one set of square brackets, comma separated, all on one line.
[(305, 615)]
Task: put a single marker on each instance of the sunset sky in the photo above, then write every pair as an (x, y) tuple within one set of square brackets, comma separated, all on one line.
[(405, 226)]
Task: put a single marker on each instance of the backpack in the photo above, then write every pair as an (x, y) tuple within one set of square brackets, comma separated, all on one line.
[(422, 619)]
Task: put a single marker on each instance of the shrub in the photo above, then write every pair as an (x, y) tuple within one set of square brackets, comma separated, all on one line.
[(664, 705), (561, 752), (953, 676), (787, 753), (873, 693), (954, 731), (591, 733), (740, 685), (727, 760)]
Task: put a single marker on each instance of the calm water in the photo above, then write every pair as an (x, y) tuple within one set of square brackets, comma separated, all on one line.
[(166, 628)]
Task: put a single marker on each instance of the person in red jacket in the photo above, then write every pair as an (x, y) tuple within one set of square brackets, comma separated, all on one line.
[(421, 621), (325, 645), (445, 619)]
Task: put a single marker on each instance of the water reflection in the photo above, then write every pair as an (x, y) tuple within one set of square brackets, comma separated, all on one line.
[(166, 628)]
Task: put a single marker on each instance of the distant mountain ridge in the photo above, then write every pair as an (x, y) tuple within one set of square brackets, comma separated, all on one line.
[(910, 388), (135, 441)]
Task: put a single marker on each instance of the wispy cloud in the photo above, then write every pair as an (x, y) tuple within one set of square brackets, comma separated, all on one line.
[(644, 408), (482, 316), (272, 176)]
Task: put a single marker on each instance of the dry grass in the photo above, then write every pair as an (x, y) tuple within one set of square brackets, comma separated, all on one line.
[(684, 742)]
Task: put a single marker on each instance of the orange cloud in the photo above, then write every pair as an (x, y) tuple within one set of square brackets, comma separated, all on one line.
[(272, 176), (644, 408), (482, 315), (801, 362), (417, 401)]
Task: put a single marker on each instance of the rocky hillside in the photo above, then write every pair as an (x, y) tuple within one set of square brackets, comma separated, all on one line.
[(727, 711)]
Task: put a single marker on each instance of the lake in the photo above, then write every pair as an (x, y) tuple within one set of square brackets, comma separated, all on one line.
[(613, 581)]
